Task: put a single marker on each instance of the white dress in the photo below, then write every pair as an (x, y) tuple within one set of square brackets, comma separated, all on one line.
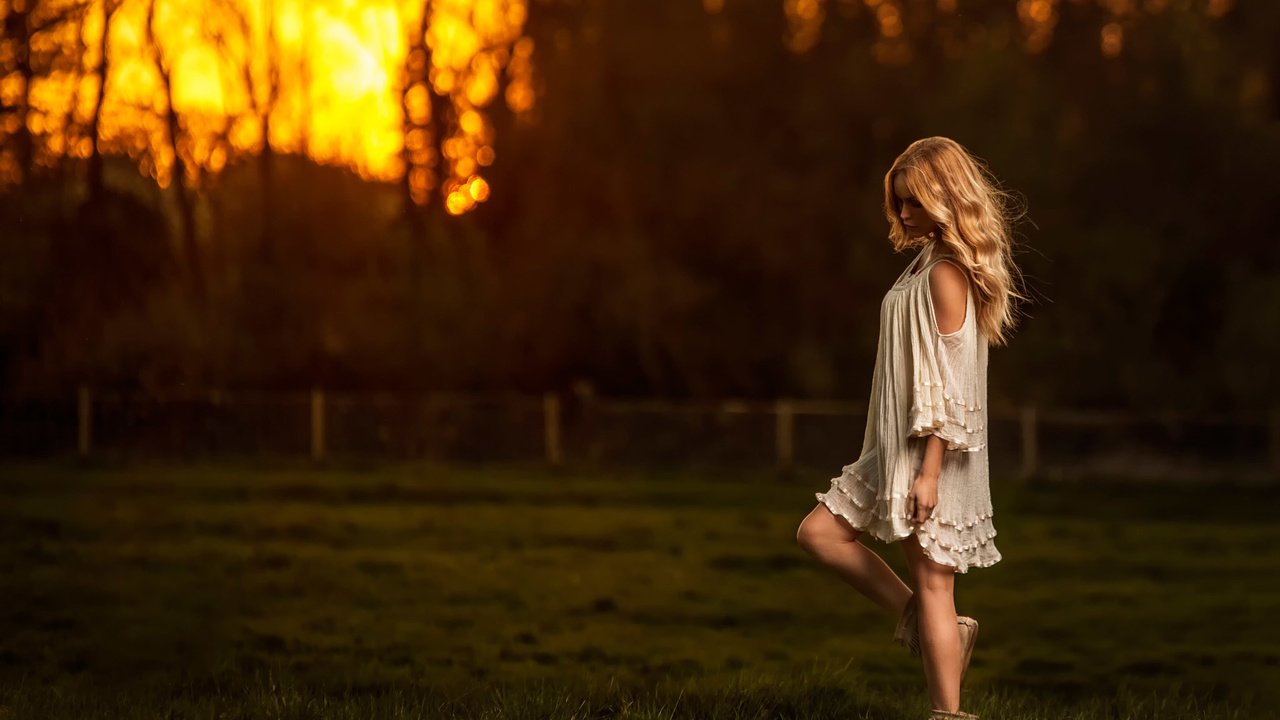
[(925, 382)]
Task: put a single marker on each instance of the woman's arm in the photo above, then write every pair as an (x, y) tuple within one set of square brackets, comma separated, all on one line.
[(931, 465), (949, 288), (923, 496)]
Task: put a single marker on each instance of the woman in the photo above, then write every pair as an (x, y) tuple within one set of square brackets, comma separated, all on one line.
[(921, 478)]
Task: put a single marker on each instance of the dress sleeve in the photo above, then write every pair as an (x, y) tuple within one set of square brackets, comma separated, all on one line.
[(948, 386)]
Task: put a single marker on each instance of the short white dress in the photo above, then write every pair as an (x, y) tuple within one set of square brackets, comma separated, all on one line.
[(925, 382)]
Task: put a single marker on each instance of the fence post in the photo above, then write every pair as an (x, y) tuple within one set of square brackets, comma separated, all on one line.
[(1275, 441), (84, 415), (784, 434), (551, 427), (317, 423), (1030, 451)]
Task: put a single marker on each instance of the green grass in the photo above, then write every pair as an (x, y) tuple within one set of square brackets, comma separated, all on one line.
[(519, 592)]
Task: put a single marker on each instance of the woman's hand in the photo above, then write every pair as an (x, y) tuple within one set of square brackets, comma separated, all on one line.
[(923, 497)]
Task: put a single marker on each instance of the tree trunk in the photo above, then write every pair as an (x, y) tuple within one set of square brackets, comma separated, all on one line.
[(186, 210), (19, 28), (267, 248), (96, 185), (417, 73), (186, 213)]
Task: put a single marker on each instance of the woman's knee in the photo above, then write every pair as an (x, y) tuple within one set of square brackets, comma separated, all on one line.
[(821, 527), (810, 534)]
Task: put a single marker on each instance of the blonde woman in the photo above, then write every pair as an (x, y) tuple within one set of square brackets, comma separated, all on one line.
[(921, 479)]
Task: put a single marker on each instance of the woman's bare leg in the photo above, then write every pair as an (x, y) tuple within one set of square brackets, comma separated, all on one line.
[(834, 542), (939, 632)]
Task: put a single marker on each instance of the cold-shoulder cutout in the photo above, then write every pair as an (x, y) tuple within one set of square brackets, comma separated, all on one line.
[(949, 370), (948, 293)]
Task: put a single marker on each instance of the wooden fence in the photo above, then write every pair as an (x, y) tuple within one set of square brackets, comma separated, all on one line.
[(787, 433)]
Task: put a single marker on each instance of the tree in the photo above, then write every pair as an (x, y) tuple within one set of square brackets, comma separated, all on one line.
[(164, 62), (239, 44), (31, 32), (446, 138), (96, 184)]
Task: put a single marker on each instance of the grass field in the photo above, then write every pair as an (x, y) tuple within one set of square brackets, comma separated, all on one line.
[(229, 591)]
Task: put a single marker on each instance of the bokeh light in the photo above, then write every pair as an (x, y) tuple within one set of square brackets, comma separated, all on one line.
[(328, 74)]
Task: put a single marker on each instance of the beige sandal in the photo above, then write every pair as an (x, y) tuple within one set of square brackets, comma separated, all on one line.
[(968, 636), (948, 715), (907, 634)]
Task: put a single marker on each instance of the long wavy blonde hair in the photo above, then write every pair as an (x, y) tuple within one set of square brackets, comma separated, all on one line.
[(975, 219)]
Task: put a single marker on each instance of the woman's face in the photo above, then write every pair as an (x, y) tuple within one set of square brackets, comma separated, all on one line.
[(916, 221)]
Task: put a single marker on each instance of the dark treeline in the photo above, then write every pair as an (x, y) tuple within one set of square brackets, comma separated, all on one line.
[(693, 208)]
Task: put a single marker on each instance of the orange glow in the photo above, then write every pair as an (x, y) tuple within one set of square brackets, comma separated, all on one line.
[(1040, 11), (340, 67), (1218, 8), (458, 203), (520, 90), (890, 19), (1112, 39), (1120, 7), (1038, 20), (804, 18), (341, 72)]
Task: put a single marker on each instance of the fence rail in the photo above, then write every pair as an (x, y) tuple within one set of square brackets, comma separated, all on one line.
[(558, 429)]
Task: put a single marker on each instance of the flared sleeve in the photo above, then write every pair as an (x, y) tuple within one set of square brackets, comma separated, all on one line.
[(949, 376)]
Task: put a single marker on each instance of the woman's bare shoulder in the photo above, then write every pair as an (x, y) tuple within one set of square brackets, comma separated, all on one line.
[(949, 288)]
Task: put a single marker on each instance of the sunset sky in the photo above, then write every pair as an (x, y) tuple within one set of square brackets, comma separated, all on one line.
[(341, 70), (341, 73)]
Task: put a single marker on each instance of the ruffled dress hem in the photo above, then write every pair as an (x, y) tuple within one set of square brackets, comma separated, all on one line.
[(961, 543)]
